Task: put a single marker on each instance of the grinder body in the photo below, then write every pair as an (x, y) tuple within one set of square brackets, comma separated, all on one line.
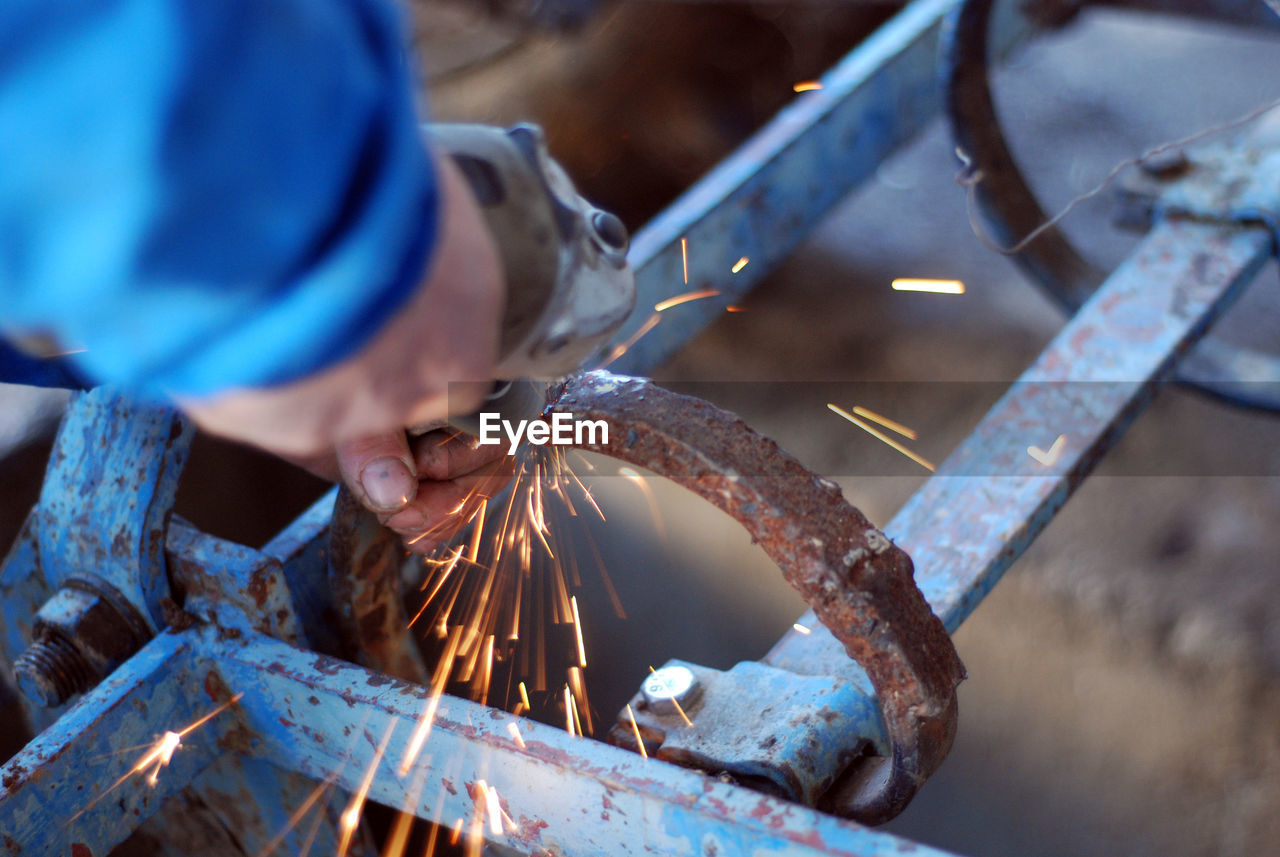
[(569, 287)]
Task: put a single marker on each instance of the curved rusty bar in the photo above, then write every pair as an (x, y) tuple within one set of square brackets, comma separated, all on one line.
[(857, 581), (364, 580)]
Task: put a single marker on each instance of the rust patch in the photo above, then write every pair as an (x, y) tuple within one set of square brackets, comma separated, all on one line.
[(259, 587), (326, 665), (14, 776), (238, 739)]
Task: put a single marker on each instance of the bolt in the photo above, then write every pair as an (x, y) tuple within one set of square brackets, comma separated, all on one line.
[(52, 670), (80, 636), (671, 687)]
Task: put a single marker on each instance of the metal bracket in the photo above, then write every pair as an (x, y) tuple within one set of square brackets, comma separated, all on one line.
[(782, 734)]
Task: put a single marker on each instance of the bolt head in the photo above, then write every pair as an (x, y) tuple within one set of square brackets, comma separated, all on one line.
[(666, 687)]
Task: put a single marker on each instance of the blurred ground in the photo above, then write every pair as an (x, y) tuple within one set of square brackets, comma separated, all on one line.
[(1124, 689)]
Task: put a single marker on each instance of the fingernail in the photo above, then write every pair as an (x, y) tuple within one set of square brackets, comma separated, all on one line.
[(388, 483)]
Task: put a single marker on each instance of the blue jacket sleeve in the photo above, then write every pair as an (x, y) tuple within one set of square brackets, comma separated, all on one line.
[(208, 195)]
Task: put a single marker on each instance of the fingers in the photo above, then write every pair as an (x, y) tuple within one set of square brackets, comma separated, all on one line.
[(380, 471), (441, 508), (448, 453), (456, 475)]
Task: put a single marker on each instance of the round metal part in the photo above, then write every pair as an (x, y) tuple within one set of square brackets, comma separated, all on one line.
[(82, 633), (610, 231), (671, 689), (51, 671)]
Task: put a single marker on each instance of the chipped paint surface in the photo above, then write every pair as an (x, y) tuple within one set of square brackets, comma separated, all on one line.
[(557, 788)]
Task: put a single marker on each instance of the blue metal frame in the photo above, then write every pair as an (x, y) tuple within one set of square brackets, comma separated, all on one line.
[(305, 718)]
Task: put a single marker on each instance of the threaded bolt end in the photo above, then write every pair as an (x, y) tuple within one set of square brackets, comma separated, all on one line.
[(52, 670)]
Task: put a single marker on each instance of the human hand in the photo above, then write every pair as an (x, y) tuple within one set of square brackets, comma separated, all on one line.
[(349, 421)]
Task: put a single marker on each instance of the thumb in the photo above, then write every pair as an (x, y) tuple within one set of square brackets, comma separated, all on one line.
[(379, 470)]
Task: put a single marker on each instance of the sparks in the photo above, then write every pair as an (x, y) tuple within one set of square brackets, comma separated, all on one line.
[(514, 731), (801, 629), (494, 807), (941, 287), (739, 265), (618, 350), (684, 258), (159, 754), (398, 840), (577, 720), (508, 566), (350, 818), (577, 629), (661, 306), (806, 86), (428, 717), (300, 813), (635, 730), (908, 433), (879, 435), (579, 689)]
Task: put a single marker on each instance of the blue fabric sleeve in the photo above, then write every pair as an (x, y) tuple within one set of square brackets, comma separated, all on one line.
[(208, 195)]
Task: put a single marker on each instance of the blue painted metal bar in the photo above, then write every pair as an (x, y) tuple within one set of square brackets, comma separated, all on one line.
[(110, 447), (76, 760), (565, 795), (300, 549), (990, 498), (767, 197)]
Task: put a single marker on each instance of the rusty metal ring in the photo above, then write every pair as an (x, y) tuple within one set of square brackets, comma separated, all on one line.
[(858, 582)]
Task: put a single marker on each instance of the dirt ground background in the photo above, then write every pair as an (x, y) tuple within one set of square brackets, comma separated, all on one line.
[(1124, 690)]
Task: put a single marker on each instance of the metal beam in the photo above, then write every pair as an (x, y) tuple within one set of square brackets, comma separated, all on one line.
[(991, 498), (564, 795)]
